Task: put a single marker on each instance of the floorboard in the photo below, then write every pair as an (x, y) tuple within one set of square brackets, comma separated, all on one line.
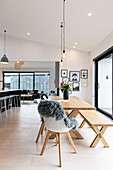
[(18, 150)]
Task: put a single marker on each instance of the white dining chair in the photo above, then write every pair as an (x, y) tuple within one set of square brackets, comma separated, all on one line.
[(57, 127)]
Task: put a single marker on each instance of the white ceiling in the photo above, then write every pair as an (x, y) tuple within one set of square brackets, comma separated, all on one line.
[(42, 19)]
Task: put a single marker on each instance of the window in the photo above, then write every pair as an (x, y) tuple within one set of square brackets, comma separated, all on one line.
[(42, 82), (11, 80), (26, 81)]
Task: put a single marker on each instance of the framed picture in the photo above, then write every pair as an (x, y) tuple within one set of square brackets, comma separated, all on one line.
[(84, 74), (74, 76), (76, 86), (65, 79), (64, 73), (84, 83)]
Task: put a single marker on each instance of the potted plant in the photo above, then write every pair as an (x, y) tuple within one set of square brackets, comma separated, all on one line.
[(65, 88)]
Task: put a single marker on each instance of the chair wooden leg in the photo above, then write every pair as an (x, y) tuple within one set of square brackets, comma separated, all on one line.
[(41, 128), (59, 141), (56, 139), (71, 141), (45, 143)]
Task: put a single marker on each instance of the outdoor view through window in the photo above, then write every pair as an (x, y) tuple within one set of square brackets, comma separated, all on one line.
[(27, 81)]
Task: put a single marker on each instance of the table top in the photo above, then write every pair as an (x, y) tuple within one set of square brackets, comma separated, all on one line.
[(73, 103)]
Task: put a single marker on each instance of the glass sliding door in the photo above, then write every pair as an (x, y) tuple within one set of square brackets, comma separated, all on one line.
[(103, 83)]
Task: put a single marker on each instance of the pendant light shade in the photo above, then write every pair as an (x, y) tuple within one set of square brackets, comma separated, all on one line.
[(4, 59)]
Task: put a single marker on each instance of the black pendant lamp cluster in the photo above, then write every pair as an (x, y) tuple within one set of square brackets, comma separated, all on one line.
[(4, 59), (63, 52)]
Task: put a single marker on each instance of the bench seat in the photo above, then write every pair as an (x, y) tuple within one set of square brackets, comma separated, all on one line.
[(95, 120)]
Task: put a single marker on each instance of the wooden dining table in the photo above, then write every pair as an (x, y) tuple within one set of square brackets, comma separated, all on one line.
[(74, 104)]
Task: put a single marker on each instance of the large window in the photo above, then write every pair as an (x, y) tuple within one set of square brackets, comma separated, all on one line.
[(42, 82), (11, 80), (27, 81), (103, 83)]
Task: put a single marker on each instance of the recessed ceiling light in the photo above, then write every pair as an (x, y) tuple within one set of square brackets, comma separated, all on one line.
[(89, 14), (76, 43), (28, 33), (74, 46)]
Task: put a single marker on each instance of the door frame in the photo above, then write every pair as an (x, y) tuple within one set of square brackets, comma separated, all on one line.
[(108, 52)]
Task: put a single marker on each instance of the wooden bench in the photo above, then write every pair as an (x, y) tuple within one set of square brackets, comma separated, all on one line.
[(95, 120)]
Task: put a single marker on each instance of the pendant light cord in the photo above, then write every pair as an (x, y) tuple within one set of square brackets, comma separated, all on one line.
[(64, 26), (61, 38), (4, 41)]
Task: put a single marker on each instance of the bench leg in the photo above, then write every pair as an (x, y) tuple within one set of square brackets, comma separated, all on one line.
[(99, 136)]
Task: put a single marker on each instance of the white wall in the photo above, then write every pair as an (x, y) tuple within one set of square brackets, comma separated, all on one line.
[(75, 61), (24, 50)]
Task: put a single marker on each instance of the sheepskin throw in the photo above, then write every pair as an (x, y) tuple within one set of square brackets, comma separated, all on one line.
[(51, 108)]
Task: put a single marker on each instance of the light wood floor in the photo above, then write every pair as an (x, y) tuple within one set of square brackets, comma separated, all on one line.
[(18, 150)]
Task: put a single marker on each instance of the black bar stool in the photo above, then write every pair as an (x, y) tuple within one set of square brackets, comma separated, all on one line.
[(3, 104)]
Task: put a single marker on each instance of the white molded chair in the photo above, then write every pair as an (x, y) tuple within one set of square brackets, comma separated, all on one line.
[(57, 127)]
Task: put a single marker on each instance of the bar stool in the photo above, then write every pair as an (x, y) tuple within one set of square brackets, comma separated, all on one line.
[(13, 100), (17, 100), (9, 102), (3, 104)]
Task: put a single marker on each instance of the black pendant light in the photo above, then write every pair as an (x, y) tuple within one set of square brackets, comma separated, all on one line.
[(4, 59)]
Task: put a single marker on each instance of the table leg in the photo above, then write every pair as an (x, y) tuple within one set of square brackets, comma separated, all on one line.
[(74, 113), (79, 136), (82, 124)]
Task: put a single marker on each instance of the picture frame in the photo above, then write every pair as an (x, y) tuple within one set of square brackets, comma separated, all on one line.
[(74, 76), (76, 87), (84, 83), (84, 74), (65, 79), (64, 73)]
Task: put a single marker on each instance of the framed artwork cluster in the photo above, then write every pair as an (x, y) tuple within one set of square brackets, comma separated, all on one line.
[(74, 77)]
